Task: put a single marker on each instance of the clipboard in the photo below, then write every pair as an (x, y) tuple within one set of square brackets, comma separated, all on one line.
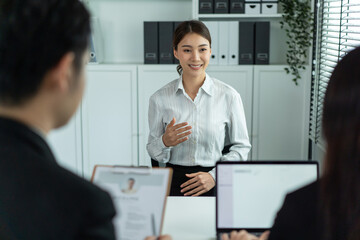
[(139, 195)]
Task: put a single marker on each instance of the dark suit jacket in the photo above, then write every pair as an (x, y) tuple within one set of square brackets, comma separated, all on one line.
[(299, 218), (41, 200)]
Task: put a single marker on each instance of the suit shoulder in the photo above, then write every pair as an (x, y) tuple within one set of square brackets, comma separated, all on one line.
[(84, 191)]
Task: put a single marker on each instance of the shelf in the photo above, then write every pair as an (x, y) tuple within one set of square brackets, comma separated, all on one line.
[(227, 16)]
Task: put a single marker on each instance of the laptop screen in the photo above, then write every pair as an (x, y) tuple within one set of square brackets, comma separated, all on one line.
[(249, 194)]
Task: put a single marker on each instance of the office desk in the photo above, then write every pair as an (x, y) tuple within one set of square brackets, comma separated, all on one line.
[(190, 218)]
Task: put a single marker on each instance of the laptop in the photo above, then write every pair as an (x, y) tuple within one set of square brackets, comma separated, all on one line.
[(249, 194)]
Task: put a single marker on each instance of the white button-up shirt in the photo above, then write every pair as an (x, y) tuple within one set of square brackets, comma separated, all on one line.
[(217, 111)]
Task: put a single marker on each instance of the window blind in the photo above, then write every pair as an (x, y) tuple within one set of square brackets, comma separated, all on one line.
[(337, 27)]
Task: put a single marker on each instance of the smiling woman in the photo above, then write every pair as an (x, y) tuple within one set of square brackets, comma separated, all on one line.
[(190, 117)]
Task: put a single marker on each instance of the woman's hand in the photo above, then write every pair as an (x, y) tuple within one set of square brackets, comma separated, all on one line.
[(175, 134), (200, 183), (164, 237), (244, 235)]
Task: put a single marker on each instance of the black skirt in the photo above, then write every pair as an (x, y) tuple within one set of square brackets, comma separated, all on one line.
[(179, 178)]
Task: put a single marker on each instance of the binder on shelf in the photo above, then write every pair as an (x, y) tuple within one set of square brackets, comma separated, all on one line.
[(92, 51), (237, 6), (223, 43), (262, 42), (246, 42), (176, 61), (165, 42), (233, 55), (96, 43), (206, 6), (221, 6), (214, 32), (151, 43)]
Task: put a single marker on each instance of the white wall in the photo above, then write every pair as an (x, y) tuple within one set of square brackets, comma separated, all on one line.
[(121, 24), (318, 154)]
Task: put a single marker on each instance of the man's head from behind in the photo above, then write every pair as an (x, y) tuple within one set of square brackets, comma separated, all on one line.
[(41, 39)]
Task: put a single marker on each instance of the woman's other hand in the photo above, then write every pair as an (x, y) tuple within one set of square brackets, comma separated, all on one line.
[(244, 235), (175, 134), (200, 183), (163, 237)]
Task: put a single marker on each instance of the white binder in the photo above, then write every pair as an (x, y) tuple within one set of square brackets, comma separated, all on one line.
[(233, 55), (214, 32), (96, 41), (223, 43)]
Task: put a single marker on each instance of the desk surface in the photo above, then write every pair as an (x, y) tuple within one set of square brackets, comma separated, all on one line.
[(190, 218)]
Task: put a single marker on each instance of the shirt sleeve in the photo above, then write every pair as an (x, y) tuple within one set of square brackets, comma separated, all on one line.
[(238, 134), (155, 146), (213, 174)]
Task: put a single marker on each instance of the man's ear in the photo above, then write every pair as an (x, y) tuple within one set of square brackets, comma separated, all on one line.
[(59, 76), (175, 54)]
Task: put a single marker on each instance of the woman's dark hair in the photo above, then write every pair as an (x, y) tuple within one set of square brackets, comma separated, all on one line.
[(340, 186), (186, 27), (34, 36)]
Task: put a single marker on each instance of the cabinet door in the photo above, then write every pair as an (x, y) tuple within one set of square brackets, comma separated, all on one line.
[(65, 143), (150, 78), (110, 117), (280, 114)]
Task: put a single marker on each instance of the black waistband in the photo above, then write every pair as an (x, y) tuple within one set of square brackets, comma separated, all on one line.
[(195, 168)]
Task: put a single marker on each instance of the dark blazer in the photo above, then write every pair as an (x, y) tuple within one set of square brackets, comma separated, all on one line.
[(41, 200), (300, 217)]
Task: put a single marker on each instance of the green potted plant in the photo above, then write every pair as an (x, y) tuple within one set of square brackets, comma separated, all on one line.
[(297, 20)]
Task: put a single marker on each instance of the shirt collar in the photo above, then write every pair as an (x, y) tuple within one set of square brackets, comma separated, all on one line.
[(207, 85)]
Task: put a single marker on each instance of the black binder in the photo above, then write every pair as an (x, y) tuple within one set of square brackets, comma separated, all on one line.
[(262, 42), (166, 30), (246, 42), (206, 6), (221, 6), (176, 61), (151, 48), (237, 6)]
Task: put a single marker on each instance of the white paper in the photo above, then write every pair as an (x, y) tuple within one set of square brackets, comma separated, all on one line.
[(139, 197)]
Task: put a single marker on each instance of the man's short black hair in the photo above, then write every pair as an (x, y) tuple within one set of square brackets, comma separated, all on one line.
[(34, 36)]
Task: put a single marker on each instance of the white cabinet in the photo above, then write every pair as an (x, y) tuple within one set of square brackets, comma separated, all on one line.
[(150, 79), (66, 144), (153, 77), (104, 129), (109, 117), (280, 114)]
